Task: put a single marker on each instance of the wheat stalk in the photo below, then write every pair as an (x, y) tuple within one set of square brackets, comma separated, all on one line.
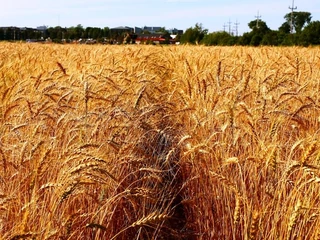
[(294, 217), (24, 236), (237, 209), (151, 219), (254, 226), (307, 154)]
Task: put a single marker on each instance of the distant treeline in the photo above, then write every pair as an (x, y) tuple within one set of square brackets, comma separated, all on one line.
[(298, 29), (56, 34)]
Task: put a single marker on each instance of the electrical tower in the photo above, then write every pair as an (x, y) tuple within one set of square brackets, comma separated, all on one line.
[(236, 24), (291, 21), (229, 23), (224, 27), (258, 17)]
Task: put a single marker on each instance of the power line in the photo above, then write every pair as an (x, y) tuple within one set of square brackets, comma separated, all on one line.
[(291, 21)]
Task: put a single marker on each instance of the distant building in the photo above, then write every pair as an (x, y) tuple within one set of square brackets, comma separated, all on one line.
[(42, 28), (146, 29), (151, 29), (154, 35), (138, 30), (122, 29), (175, 31), (119, 34), (155, 38)]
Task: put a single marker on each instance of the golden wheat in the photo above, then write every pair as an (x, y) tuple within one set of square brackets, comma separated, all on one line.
[(152, 142)]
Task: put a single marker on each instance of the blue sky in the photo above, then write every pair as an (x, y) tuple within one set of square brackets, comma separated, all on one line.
[(181, 14)]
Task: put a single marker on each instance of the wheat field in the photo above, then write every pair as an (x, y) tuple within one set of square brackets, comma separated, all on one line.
[(152, 142)]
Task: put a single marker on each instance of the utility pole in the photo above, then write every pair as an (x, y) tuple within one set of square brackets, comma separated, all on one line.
[(291, 21), (258, 17), (236, 27), (224, 27), (229, 26)]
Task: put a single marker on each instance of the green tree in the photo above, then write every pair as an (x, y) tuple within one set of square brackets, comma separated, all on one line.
[(88, 32), (255, 40), (167, 37), (194, 35), (162, 30), (53, 33), (146, 32), (96, 33), (106, 32), (245, 39), (218, 38), (270, 38), (285, 28), (57, 33), (28, 33), (79, 31), (259, 30), (1, 34), (178, 38), (310, 34), (289, 40), (71, 33), (299, 20), (8, 34), (259, 27)]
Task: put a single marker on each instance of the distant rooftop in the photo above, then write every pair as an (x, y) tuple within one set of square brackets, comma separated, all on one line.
[(122, 28), (42, 28)]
